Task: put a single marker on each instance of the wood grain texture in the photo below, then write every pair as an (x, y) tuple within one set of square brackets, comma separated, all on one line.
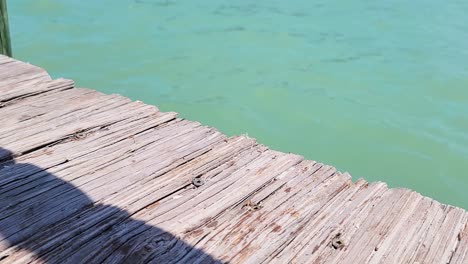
[(92, 178)]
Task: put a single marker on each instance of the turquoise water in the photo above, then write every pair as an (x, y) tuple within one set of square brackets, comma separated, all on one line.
[(376, 88)]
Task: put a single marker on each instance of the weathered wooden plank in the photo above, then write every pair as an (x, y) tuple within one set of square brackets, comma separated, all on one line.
[(68, 112), (11, 67), (142, 242), (85, 222), (460, 253), (377, 225), (45, 103), (321, 224), (5, 59), (130, 140), (27, 89), (74, 123), (326, 223), (54, 196), (446, 240), (49, 157), (113, 228), (71, 111), (124, 235), (15, 72), (91, 166), (392, 247), (12, 75), (342, 223), (62, 99), (243, 224)]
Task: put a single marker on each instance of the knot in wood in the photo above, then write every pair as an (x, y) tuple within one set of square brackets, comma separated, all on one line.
[(197, 181), (337, 242)]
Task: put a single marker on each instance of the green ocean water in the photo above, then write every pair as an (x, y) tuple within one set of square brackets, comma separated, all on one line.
[(376, 88)]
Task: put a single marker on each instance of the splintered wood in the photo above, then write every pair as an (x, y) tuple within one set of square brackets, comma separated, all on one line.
[(92, 178)]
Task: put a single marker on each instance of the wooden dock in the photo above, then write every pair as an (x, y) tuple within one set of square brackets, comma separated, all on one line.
[(92, 178)]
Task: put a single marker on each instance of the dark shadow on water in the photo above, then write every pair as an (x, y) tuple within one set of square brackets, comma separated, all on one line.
[(37, 207)]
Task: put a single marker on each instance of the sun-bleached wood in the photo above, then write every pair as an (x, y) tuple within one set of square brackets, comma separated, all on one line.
[(116, 179)]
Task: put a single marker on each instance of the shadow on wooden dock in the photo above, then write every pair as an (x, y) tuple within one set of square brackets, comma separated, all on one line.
[(28, 191)]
